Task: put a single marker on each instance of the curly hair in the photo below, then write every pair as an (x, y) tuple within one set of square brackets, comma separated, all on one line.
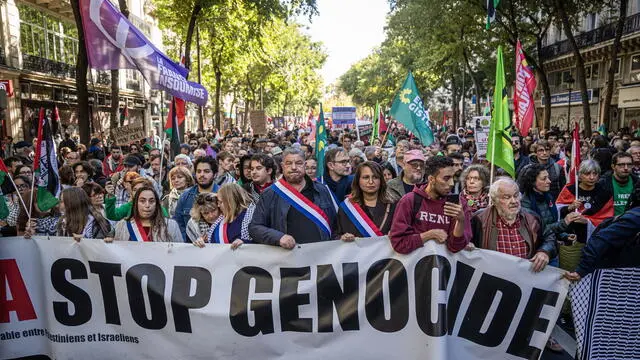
[(436, 163), (483, 173), (528, 176)]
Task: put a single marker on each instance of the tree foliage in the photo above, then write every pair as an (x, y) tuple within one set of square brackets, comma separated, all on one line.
[(250, 50)]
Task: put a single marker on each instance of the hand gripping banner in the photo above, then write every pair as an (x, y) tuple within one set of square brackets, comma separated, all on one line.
[(330, 300)]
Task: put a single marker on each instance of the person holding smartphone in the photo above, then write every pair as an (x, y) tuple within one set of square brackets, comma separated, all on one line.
[(426, 214)]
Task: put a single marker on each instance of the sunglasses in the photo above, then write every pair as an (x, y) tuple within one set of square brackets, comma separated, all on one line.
[(203, 199)]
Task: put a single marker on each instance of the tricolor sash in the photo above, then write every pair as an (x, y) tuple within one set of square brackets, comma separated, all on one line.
[(359, 218), (136, 232), (219, 235), (302, 204)]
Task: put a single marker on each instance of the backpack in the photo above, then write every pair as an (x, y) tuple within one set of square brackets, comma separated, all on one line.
[(417, 202)]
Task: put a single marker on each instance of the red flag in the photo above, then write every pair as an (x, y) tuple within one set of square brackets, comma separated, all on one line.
[(36, 158), (575, 155), (382, 125), (309, 119), (523, 96), (3, 167), (180, 112)]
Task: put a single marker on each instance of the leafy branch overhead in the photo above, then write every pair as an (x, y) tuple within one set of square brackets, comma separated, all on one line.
[(252, 50)]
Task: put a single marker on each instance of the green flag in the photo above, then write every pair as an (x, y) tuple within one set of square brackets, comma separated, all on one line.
[(499, 150), (408, 110), (374, 123), (321, 142), (602, 130)]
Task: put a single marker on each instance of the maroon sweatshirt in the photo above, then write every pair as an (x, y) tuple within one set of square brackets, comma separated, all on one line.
[(405, 231)]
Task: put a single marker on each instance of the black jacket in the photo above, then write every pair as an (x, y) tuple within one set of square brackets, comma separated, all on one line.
[(269, 221), (614, 244)]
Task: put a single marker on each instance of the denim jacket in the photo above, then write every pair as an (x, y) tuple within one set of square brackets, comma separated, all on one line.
[(183, 209)]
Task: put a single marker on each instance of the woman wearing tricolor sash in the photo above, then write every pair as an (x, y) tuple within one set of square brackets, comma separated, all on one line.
[(237, 210), (146, 222), (368, 210)]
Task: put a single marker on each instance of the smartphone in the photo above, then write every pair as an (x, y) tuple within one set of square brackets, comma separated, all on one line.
[(453, 198)]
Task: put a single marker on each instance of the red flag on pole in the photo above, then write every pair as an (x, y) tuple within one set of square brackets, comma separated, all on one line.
[(180, 113), (523, 103), (575, 155)]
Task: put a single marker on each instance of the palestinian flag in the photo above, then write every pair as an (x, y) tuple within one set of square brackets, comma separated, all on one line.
[(45, 166), (124, 115), (172, 126), (598, 209), (4, 174)]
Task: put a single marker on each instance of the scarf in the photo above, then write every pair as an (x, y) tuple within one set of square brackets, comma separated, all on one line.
[(475, 203)]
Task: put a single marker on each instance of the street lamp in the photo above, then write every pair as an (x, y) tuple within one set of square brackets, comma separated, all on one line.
[(570, 82)]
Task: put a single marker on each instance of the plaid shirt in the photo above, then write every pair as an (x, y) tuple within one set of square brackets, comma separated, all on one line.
[(509, 239)]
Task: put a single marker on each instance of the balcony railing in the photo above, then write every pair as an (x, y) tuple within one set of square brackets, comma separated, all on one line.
[(590, 38), (133, 85), (46, 66), (140, 24), (103, 78)]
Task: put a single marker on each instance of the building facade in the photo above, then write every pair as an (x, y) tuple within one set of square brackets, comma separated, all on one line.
[(595, 37), (38, 49)]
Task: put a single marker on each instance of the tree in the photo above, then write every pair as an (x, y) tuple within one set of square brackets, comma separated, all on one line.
[(82, 90), (114, 122), (576, 8), (613, 56), (529, 22)]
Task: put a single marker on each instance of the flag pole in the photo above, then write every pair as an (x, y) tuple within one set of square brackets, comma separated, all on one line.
[(493, 155), (384, 139), (164, 136), (19, 195)]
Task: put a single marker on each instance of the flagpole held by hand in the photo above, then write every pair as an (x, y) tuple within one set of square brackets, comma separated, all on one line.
[(20, 196)]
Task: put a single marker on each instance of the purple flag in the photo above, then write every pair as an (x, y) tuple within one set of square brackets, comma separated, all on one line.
[(112, 43)]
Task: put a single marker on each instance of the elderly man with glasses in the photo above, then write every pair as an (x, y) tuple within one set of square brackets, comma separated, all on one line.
[(411, 175)]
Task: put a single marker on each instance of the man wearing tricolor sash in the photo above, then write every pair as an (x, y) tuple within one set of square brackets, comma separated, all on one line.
[(295, 209)]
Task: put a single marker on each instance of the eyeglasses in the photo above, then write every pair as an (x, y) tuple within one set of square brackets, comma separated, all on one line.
[(416, 165), (22, 186)]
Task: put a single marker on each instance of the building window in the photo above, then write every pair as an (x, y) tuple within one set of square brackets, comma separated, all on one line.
[(566, 76), (133, 80), (591, 71), (590, 22), (618, 66), (45, 36), (635, 63)]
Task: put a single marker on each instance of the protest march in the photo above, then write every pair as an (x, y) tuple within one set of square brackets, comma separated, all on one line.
[(404, 227)]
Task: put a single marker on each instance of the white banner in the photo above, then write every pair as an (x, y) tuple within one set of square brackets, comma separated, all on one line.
[(319, 301)]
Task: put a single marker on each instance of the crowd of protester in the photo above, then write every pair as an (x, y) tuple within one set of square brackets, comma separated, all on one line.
[(236, 190)]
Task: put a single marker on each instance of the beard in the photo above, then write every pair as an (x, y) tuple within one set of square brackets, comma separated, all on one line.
[(205, 185), (507, 214)]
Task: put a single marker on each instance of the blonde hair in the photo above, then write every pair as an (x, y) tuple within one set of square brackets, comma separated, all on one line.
[(234, 200), (179, 170), (130, 176)]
